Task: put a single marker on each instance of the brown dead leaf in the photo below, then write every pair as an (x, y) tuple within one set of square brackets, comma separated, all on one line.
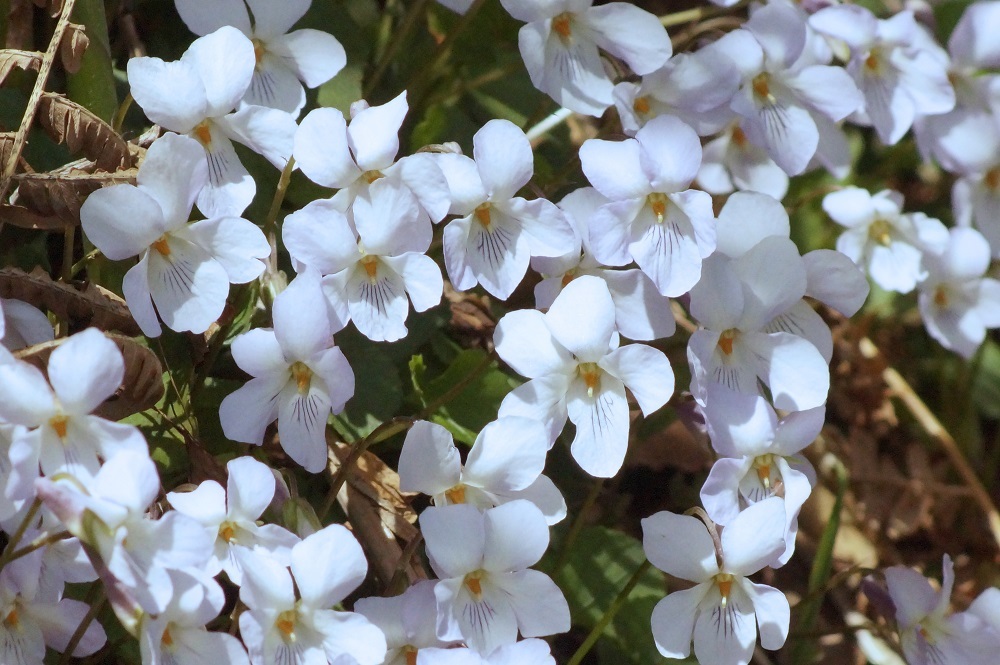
[(141, 387), (73, 46), (67, 122), (24, 218), (60, 193), (6, 145), (82, 304), (11, 59)]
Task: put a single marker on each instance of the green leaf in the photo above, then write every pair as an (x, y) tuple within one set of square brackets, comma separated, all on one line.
[(342, 90), (378, 391), (599, 565), (986, 382), (477, 403)]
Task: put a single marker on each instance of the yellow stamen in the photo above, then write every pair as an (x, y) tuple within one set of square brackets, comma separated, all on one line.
[(227, 532), (725, 583), (473, 584), (763, 466), (761, 86), (161, 246), (992, 178), (456, 494), (881, 232), (167, 639), (411, 655), (739, 137), (561, 26), (12, 619), (641, 105), (59, 424), (591, 375), (872, 61), (658, 202), (371, 176), (568, 277), (941, 296), (483, 215), (203, 133), (302, 376), (726, 341), (258, 50), (371, 267), (285, 624)]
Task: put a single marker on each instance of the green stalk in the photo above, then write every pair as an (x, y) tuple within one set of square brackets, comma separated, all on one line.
[(93, 85), (822, 567), (616, 605)]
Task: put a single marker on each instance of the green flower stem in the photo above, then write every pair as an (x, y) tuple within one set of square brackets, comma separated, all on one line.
[(384, 431), (272, 282), (395, 43), (96, 605), (822, 567), (420, 84), (616, 605), (578, 523), (8, 553), (699, 13)]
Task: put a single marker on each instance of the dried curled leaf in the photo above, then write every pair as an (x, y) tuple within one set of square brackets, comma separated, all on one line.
[(24, 218), (82, 131), (11, 59), (74, 44), (56, 196), (141, 387), (6, 145), (82, 305)]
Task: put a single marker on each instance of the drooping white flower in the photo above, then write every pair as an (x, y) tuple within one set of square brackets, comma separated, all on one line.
[(23, 325), (975, 196), (929, 633), (722, 612), (886, 243), (759, 458), (497, 234), (505, 464), (736, 303), (289, 618), (641, 312), (745, 220), (730, 161), (31, 622), (184, 269), (783, 87), (898, 67), (957, 301), (230, 516), (409, 622), (370, 265), (61, 435), (560, 45), (578, 371), (177, 635), (109, 516), (196, 95), (299, 376), (284, 60), (695, 87), (653, 218), (350, 157), (956, 138), (487, 593)]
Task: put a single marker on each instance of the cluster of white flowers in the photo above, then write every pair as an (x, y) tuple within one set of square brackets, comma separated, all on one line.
[(767, 100)]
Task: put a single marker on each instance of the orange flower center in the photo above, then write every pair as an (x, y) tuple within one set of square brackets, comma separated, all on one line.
[(59, 424)]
